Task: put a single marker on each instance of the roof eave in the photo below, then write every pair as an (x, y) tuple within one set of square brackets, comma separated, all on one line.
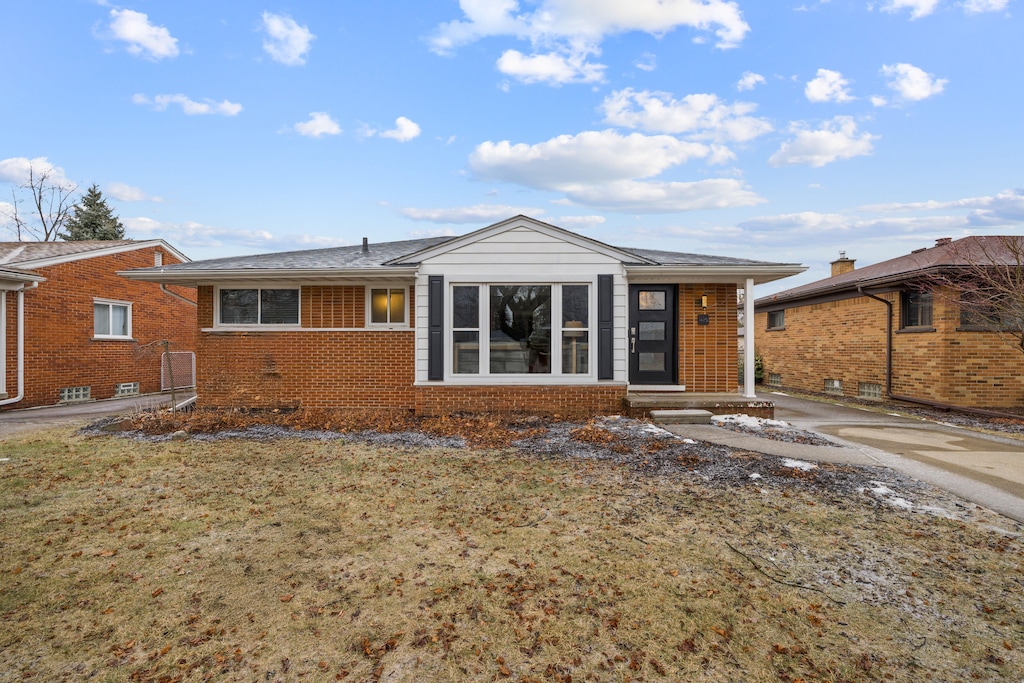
[(708, 274)]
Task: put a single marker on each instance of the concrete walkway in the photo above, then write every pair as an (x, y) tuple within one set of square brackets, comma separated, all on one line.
[(26, 419), (982, 468)]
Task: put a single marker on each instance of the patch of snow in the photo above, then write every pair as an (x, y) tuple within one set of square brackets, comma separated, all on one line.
[(779, 393), (654, 429), (896, 501), (743, 420), (798, 464), (755, 475), (689, 441)]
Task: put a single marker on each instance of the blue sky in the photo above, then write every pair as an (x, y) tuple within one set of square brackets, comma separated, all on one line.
[(780, 131)]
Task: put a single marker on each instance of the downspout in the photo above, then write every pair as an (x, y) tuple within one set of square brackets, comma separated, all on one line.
[(888, 340), (163, 288), (21, 345)]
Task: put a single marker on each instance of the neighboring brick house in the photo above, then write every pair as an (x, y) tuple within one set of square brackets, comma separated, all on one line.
[(72, 329), (891, 329), (520, 315)]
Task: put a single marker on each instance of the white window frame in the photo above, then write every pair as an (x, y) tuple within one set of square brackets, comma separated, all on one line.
[(484, 375), (217, 324), (369, 305), (110, 303)]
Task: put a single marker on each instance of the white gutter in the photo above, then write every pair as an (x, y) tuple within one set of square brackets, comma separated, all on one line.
[(21, 344), (163, 288), (712, 273)]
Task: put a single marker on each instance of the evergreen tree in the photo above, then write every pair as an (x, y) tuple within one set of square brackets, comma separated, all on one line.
[(92, 219)]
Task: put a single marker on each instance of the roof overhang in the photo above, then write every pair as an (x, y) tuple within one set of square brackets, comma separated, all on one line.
[(11, 279), (101, 251), (710, 274), (195, 278)]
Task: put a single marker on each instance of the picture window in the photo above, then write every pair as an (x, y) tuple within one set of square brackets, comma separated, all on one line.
[(259, 306)]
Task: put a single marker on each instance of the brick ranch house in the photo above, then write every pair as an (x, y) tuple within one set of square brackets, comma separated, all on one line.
[(890, 330), (520, 315), (71, 328)]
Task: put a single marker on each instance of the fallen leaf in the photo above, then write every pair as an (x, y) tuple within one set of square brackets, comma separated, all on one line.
[(287, 598)]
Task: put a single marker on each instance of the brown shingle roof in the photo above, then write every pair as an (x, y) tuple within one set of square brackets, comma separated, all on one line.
[(916, 264)]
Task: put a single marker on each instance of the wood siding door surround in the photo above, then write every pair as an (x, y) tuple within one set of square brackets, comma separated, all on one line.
[(653, 326)]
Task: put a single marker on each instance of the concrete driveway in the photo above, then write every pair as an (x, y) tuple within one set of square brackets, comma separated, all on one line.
[(15, 421), (985, 469)]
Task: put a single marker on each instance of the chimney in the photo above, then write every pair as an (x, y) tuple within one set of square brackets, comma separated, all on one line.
[(943, 240), (366, 245), (842, 265)]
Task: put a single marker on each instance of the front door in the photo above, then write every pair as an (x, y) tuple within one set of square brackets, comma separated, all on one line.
[(652, 334)]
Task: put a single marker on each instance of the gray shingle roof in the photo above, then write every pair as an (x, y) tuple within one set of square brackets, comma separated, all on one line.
[(673, 258), (12, 253)]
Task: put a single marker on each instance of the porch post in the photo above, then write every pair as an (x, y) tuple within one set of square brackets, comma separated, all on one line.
[(748, 339)]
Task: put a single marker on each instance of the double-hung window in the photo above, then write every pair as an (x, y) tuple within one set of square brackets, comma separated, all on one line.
[(111, 319), (259, 306), (520, 329)]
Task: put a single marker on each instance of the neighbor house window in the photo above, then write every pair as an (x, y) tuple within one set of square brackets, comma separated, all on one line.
[(259, 306), (869, 390), (917, 309), (520, 329), (775, 379), (387, 306), (833, 386), (73, 394), (111, 319), (776, 320)]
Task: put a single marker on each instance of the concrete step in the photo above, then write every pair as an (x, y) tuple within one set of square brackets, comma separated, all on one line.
[(688, 416)]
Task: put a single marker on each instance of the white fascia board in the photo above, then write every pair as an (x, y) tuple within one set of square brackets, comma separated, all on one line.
[(192, 278), (711, 274), (101, 251), (512, 224)]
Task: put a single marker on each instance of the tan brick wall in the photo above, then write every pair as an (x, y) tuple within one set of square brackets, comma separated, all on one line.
[(846, 340), (708, 355), (60, 349)]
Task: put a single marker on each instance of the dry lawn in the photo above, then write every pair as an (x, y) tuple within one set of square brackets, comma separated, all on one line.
[(300, 560)]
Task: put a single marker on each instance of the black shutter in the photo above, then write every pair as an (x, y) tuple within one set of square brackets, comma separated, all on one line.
[(605, 328), (435, 327)]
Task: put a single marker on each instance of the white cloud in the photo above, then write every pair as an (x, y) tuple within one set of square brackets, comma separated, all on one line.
[(552, 68), (601, 168), (572, 29), (189, 106), (320, 123), (128, 193), (143, 38), (403, 131), (16, 170), (591, 156), (834, 140), (287, 42), (828, 86), (704, 115), (478, 213), (878, 101), (432, 232), (749, 81), (918, 8), (978, 6), (648, 62), (913, 83), (580, 222), (194, 234), (1004, 208)]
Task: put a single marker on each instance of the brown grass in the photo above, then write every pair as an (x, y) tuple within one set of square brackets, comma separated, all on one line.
[(296, 560)]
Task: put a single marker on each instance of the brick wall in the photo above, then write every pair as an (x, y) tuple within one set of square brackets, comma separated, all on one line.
[(60, 348), (549, 400), (846, 340), (708, 355)]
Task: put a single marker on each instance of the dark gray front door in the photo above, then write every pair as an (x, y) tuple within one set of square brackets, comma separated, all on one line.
[(652, 334)]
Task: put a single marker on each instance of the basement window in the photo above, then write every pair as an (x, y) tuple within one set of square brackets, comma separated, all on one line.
[(833, 386), (75, 394), (126, 389), (869, 390), (775, 379)]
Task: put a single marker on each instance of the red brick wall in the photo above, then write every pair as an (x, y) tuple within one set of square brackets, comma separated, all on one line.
[(708, 356), (60, 349), (845, 340)]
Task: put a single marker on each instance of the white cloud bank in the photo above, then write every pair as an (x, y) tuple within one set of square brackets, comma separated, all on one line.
[(918, 8), (143, 38), (16, 170), (601, 168), (912, 83), (320, 123), (287, 42), (197, 235), (128, 193), (189, 106), (828, 86), (568, 32), (703, 115), (834, 140), (978, 6), (478, 213)]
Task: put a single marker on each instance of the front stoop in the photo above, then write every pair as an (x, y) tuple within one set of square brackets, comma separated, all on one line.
[(642, 403), (687, 416)]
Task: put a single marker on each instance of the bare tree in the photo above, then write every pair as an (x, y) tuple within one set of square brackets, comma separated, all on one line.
[(51, 198), (985, 277)]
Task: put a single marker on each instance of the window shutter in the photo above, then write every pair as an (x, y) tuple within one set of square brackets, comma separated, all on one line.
[(605, 328), (435, 327)]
